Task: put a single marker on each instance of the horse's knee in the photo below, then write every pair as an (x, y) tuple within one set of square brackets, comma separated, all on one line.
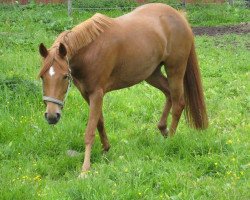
[(89, 139)]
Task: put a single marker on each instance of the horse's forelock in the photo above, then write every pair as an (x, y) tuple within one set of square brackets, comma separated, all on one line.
[(48, 62)]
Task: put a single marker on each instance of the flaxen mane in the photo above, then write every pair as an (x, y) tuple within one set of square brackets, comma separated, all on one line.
[(76, 38)]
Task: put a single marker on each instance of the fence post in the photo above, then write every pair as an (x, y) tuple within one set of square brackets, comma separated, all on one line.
[(69, 7), (184, 4), (231, 2)]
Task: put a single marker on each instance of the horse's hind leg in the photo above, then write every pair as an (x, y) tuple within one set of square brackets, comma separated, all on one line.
[(175, 79), (160, 82), (102, 134), (162, 125)]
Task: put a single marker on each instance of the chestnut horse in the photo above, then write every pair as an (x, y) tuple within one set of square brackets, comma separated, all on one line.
[(103, 54)]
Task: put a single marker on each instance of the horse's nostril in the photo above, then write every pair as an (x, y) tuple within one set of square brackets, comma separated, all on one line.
[(58, 115), (52, 118)]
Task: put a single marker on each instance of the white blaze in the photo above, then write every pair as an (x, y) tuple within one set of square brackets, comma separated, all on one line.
[(51, 71)]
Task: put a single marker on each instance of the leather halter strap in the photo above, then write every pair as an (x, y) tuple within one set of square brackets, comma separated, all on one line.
[(53, 100)]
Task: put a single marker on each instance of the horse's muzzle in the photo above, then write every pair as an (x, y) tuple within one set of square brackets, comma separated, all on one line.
[(52, 118)]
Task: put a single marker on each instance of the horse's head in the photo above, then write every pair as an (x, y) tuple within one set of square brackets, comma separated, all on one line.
[(56, 77)]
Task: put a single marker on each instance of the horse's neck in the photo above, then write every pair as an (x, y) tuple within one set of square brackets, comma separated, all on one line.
[(85, 33)]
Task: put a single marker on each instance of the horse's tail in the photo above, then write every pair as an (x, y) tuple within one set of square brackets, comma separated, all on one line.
[(195, 108)]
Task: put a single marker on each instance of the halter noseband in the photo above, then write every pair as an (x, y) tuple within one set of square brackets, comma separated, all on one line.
[(57, 101), (53, 100)]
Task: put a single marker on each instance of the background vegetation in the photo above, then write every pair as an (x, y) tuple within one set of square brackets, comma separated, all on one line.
[(213, 164)]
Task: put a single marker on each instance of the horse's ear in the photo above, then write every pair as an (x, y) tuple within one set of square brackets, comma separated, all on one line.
[(62, 50), (43, 50)]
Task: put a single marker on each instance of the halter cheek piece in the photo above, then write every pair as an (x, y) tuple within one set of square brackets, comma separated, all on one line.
[(57, 101)]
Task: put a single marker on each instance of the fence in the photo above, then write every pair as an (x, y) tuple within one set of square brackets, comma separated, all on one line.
[(24, 2), (122, 4), (113, 1), (96, 5)]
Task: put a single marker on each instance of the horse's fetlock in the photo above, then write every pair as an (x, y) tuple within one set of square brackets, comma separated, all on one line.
[(106, 148), (162, 126)]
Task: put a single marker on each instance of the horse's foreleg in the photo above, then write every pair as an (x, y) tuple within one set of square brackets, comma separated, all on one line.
[(95, 101)]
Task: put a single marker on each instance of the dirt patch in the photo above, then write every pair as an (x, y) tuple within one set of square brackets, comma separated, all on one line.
[(241, 28)]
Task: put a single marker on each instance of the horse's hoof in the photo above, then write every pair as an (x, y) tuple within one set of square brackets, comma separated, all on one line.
[(83, 175), (106, 149), (164, 133)]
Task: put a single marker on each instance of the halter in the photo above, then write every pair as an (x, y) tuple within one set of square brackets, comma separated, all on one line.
[(57, 101)]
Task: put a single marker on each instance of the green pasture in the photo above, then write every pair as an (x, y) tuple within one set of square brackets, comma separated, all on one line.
[(141, 164)]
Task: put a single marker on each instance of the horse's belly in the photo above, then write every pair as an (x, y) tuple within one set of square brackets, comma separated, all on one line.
[(128, 75)]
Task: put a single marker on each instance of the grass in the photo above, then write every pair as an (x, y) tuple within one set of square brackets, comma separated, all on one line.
[(213, 164)]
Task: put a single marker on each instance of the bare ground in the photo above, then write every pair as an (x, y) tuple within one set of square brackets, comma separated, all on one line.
[(241, 28)]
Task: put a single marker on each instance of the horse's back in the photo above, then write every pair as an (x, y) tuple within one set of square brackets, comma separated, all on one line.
[(159, 25), (163, 21), (154, 13), (153, 9), (170, 26)]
